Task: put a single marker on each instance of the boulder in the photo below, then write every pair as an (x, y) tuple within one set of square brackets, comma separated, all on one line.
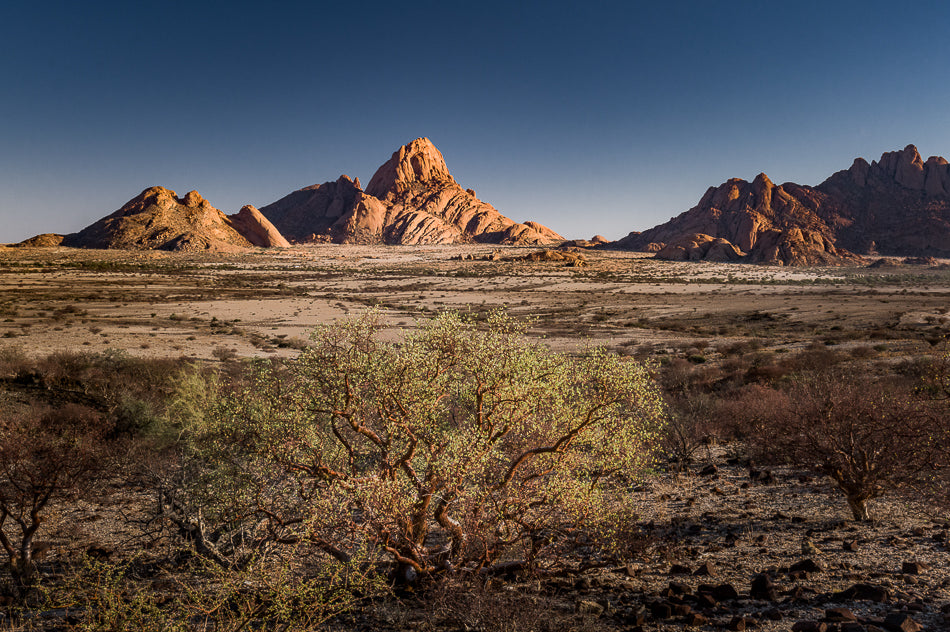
[(699, 247), (257, 229)]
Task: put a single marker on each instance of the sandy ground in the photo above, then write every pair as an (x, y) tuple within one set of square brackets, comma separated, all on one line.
[(265, 303)]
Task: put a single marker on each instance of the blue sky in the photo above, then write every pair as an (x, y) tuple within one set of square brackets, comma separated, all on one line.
[(592, 118)]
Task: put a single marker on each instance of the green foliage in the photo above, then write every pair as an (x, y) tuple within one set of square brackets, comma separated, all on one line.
[(134, 416), (269, 594), (103, 598), (457, 446)]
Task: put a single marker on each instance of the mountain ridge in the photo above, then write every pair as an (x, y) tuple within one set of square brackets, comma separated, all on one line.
[(417, 201), (899, 205), (157, 219), (412, 198)]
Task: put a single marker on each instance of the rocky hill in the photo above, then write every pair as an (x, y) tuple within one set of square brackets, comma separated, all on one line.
[(411, 199), (158, 219), (897, 206)]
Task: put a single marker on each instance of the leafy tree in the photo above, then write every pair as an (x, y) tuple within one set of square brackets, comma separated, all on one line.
[(45, 455), (456, 447)]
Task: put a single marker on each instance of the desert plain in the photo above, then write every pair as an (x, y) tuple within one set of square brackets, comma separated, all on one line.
[(706, 524), (153, 303)]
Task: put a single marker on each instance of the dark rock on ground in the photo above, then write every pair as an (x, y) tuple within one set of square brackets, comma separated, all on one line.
[(864, 592), (807, 565), (914, 568), (763, 588), (721, 592), (839, 615), (901, 622)]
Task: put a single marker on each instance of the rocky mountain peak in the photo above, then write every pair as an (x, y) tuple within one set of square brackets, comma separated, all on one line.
[(158, 219), (418, 162), (859, 171), (902, 169), (163, 197), (193, 199), (899, 205), (911, 154), (411, 199), (906, 167)]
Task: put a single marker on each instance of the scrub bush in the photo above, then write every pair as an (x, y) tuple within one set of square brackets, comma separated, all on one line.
[(46, 455), (456, 448), (870, 436)]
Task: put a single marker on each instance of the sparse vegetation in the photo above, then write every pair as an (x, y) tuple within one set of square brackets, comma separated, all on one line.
[(220, 516), (457, 449), (871, 437), (46, 456)]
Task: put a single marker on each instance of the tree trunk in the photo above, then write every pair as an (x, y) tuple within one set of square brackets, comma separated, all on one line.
[(859, 508), (23, 571)]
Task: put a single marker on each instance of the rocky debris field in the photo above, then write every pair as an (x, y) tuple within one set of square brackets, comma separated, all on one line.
[(725, 547)]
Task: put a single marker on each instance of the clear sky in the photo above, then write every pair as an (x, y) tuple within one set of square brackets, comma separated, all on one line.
[(590, 117)]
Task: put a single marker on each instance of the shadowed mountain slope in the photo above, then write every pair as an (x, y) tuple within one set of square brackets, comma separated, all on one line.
[(899, 205)]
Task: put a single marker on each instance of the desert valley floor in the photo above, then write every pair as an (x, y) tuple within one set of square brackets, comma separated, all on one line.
[(157, 304), (715, 527)]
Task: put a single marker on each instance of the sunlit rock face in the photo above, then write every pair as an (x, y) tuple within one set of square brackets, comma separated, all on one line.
[(159, 219), (411, 199)]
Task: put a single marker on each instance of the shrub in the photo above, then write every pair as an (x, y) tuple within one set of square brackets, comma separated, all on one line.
[(267, 595), (45, 455), (688, 428), (870, 436), (815, 358), (130, 392), (456, 447), (749, 411)]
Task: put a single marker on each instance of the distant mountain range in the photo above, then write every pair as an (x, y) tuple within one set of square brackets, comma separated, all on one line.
[(899, 205), (412, 199)]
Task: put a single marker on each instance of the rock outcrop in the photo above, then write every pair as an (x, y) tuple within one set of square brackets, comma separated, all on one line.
[(411, 199), (699, 247), (756, 222), (897, 206), (256, 228), (45, 240), (157, 219)]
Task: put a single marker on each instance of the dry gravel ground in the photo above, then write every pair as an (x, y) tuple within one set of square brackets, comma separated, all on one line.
[(265, 303), (708, 541), (710, 530)]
